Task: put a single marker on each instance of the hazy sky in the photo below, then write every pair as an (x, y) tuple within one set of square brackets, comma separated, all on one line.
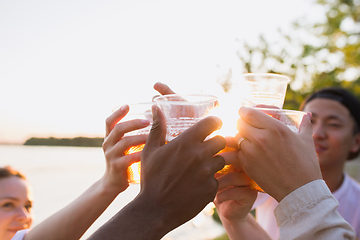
[(64, 65)]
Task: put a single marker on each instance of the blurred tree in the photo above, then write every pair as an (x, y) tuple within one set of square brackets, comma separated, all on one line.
[(316, 55)]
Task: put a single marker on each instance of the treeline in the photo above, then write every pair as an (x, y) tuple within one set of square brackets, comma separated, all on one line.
[(76, 142)]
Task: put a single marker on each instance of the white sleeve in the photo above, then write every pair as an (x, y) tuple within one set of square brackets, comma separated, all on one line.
[(20, 234), (310, 212)]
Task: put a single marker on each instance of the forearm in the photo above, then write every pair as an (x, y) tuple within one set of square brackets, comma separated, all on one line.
[(72, 221), (138, 220), (310, 213), (246, 229)]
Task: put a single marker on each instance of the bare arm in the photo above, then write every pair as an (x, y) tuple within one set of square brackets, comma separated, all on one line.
[(72, 221)]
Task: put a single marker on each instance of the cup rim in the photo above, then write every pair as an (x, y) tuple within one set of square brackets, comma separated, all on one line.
[(280, 110), (133, 104), (284, 78), (208, 98)]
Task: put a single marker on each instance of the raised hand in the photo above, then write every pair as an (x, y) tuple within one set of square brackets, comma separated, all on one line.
[(177, 182), (115, 145), (179, 176), (276, 158)]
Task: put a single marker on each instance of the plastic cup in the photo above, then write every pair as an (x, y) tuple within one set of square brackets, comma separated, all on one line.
[(184, 110), (291, 118), (137, 111), (262, 89)]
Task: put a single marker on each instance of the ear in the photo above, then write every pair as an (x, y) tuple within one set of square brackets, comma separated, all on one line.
[(356, 143)]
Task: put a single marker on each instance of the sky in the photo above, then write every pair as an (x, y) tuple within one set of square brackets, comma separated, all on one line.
[(65, 65)]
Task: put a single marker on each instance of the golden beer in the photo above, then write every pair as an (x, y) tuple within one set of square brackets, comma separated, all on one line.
[(134, 169)]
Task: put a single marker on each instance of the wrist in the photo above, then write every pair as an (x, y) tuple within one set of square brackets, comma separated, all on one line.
[(286, 191), (234, 221), (107, 187), (150, 218), (233, 227)]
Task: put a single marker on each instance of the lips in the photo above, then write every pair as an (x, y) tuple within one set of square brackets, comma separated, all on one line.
[(15, 229), (320, 147)]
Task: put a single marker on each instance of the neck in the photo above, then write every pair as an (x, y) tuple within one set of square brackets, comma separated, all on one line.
[(333, 178)]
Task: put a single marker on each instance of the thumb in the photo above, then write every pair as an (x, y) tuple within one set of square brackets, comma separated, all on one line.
[(158, 130), (163, 89), (306, 126)]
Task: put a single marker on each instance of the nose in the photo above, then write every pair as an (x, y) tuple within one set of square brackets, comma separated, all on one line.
[(318, 131), (23, 215)]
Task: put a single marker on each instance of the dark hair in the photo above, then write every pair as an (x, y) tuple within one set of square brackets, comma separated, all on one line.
[(8, 171), (344, 97)]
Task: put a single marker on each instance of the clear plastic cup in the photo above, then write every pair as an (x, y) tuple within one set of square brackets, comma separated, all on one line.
[(137, 111), (184, 110), (262, 89)]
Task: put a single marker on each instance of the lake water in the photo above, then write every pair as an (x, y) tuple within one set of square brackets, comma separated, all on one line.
[(58, 175)]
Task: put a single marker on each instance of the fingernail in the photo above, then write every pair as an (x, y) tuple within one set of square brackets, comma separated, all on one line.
[(242, 108), (145, 122), (154, 110), (123, 108), (219, 123)]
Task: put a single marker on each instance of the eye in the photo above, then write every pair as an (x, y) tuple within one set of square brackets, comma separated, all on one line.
[(8, 205), (28, 207), (334, 125)]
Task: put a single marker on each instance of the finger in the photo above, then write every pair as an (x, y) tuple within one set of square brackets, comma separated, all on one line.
[(120, 164), (218, 163), (114, 118), (202, 129), (231, 158), (242, 195), (306, 126), (231, 142), (158, 130), (127, 160), (267, 106), (238, 179), (163, 89), (246, 130), (122, 128), (255, 117), (129, 144), (242, 141), (215, 144), (155, 97)]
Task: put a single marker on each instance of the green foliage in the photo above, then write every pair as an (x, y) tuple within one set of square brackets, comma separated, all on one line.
[(315, 54), (77, 142), (222, 237), (216, 217)]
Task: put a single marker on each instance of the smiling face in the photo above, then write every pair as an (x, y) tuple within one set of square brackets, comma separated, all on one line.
[(15, 206), (333, 132)]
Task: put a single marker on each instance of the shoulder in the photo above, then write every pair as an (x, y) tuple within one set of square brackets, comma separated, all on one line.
[(348, 196), (353, 184)]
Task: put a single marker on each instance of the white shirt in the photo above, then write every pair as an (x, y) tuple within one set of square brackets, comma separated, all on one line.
[(20, 234), (348, 196)]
